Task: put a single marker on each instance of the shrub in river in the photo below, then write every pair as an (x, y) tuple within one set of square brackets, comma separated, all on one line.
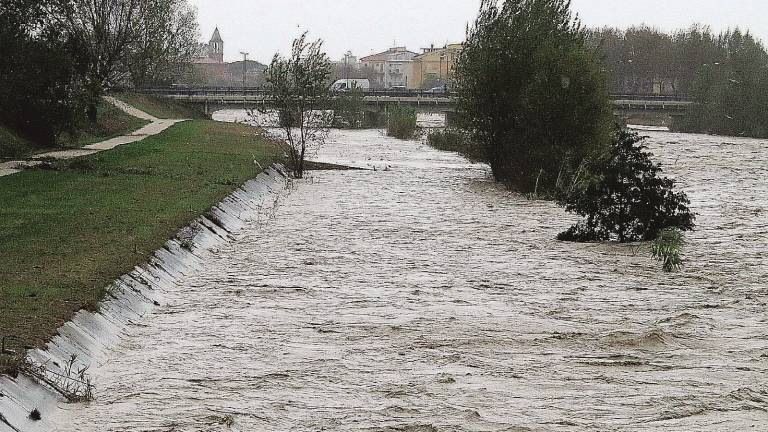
[(401, 122), (623, 197), (297, 85), (35, 415), (456, 140), (668, 248), (349, 110), (531, 93)]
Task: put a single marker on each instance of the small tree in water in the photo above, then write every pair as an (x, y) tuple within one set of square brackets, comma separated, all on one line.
[(622, 196), (298, 86)]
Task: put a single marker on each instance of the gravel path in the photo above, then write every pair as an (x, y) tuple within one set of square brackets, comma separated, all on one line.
[(155, 127)]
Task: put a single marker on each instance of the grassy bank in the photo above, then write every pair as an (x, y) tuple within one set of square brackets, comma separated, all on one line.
[(110, 122), (66, 235), (12, 145), (161, 107)]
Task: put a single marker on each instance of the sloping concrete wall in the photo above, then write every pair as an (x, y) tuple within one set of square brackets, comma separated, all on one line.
[(90, 336)]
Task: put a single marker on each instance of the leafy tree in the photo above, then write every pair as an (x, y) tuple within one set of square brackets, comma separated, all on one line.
[(298, 87), (623, 197), (39, 95), (531, 93)]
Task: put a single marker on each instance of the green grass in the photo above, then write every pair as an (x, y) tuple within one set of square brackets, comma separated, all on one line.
[(110, 122), (12, 145), (161, 107), (66, 235)]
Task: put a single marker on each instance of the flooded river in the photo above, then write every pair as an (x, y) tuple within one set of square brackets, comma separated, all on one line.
[(422, 296)]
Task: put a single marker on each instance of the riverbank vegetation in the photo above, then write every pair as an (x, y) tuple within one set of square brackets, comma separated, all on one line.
[(456, 140), (401, 122), (349, 110), (298, 86), (725, 74), (110, 122), (61, 56), (546, 129), (623, 197), (68, 231), (549, 110)]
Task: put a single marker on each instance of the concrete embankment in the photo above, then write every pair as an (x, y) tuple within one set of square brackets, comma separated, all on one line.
[(88, 339)]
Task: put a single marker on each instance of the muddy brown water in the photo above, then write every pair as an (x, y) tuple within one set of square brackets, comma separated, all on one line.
[(424, 297)]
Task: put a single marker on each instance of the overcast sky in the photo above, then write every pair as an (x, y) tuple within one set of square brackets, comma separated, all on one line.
[(263, 27)]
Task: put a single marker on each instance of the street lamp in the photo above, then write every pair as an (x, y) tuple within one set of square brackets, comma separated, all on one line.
[(245, 67)]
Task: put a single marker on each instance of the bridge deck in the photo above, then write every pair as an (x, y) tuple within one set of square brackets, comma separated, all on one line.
[(426, 100)]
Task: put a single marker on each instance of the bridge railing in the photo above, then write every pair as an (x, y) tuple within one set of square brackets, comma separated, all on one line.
[(262, 91)]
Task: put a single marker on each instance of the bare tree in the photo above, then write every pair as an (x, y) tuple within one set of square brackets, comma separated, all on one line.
[(103, 31), (115, 40), (299, 91), (165, 43)]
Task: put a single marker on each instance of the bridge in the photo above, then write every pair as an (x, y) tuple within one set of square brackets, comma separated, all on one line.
[(216, 98)]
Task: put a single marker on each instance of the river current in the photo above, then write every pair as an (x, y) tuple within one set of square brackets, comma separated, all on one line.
[(422, 296)]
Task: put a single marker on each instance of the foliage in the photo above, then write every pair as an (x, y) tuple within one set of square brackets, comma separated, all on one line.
[(73, 381), (39, 96), (298, 86), (11, 145), (622, 196), (60, 56), (731, 92), (349, 110), (455, 140), (668, 248), (725, 74), (164, 44), (531, 93), (401, 122)]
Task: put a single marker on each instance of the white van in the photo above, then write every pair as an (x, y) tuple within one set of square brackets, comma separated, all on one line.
[(345, 85)]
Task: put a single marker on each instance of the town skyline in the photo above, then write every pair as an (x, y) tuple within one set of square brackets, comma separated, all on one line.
[(444, 25)]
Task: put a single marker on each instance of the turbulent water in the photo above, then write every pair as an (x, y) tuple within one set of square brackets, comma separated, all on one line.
[(423, 297)]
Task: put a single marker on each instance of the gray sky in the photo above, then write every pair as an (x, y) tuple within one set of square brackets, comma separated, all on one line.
[(263, 27)]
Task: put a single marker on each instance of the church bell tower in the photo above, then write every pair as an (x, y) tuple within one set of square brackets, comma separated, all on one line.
[(216, 47)]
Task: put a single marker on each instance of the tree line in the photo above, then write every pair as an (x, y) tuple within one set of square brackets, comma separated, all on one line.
[(725, 74), (61, 56)]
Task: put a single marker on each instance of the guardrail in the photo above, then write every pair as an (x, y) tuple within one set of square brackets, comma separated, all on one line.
[(263, 91)]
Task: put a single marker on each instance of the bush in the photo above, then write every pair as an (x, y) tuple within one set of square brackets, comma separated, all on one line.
[(456, 140), (349, 112), (668, 248), (623, 198), (531, 93), (401, 122), (12, 146)]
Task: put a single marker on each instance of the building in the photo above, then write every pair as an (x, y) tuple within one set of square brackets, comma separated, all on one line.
[(349, 61), (210, 69), (391, 68), (213, 51), (435, 66)]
